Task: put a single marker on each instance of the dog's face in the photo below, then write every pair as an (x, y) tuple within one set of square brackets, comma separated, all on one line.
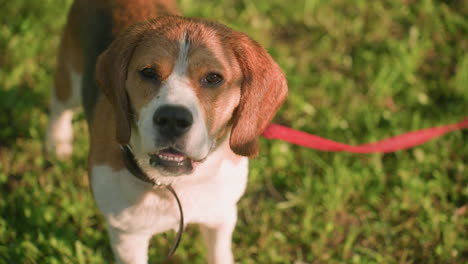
[(181, 86)]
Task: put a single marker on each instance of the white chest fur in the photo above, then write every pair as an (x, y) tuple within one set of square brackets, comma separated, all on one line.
[(131, 205)]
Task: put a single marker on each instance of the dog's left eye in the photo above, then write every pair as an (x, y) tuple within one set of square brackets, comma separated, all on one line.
[(213, 80), (149, 73)]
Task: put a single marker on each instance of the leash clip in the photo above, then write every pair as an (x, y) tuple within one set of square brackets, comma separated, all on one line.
[(159, 185)]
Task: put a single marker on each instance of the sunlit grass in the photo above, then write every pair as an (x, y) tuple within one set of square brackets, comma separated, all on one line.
[(358, 71)]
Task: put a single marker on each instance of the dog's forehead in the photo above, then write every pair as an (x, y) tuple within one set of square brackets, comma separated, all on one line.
[(206, 46), (183, 55)]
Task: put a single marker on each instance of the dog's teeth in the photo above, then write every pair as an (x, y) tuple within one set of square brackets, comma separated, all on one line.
[(178, 159)]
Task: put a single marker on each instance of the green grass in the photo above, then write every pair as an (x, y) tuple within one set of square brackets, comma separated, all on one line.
[(358, 71)]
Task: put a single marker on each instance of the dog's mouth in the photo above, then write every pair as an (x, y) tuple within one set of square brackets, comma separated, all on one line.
[(171, 161)]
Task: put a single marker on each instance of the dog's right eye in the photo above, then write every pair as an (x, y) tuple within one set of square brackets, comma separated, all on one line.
[(149, 73)]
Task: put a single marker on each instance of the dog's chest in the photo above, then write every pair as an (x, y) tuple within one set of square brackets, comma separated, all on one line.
[(132, 205)]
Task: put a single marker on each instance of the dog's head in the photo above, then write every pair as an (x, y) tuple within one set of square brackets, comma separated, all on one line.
[(179, 86)]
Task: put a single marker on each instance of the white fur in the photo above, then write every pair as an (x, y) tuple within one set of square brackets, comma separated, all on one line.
[(135, 211), (59, 135)]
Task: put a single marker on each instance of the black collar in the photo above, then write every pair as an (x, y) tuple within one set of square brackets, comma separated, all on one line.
[(135, 170)]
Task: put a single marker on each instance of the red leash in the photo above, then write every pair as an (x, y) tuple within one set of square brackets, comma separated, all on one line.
[(400, 142)]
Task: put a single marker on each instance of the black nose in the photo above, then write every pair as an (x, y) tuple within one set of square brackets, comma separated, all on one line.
[(172, 121)]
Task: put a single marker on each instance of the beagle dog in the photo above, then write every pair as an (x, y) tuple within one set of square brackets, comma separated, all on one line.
[(189, 96)]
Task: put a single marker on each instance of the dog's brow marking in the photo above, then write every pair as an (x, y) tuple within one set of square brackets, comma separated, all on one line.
[(181, 63)]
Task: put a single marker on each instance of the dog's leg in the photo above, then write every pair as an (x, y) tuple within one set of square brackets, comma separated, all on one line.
[(65, 97), (218, 238), (129, 248), (59, 132)]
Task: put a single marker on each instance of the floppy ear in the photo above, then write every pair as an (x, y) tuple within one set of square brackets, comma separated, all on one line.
[(264, 89), (111, 74)]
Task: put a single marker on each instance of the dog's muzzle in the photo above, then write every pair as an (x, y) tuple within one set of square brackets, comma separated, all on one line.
[(172, 122)]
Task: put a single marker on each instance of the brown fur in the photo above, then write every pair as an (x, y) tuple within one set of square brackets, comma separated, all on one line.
[(264, 90), (213, 48), (111, 76), (103, 141), (125, 13), (241, 61), (121, 14), (70, 57), (90, 24)]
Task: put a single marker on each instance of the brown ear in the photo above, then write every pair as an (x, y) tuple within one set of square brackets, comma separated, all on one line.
[(264, 89), (111, 74)]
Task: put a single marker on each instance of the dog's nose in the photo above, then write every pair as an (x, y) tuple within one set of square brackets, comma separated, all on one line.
[(172, 120)]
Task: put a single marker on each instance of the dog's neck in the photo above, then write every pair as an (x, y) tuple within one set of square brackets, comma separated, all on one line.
[(133, 167)]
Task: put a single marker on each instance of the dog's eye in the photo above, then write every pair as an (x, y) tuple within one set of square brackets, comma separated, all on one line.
[(149, 73), (213, 80)]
